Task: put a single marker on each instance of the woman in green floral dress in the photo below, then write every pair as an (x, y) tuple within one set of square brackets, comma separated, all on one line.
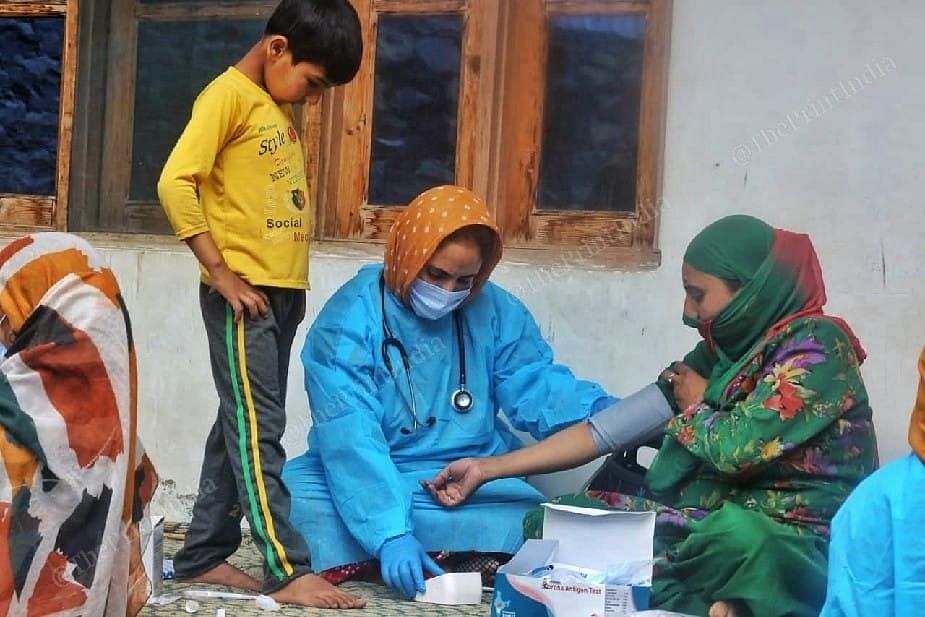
[(770, 429)]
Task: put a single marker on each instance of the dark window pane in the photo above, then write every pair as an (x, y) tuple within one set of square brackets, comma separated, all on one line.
[(416, 100), (30, 90), (591, 116), (210, 2), (175, 61)]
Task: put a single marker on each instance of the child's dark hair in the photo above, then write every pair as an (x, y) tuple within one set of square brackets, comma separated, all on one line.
[(325, 32)]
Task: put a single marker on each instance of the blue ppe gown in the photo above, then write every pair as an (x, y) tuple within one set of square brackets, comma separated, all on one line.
[(357, 485), (877, 552)]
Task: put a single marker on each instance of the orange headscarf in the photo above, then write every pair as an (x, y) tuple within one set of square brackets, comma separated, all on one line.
[(917, 426), (423, 225)]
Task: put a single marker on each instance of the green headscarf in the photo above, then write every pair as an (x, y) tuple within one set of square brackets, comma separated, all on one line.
[(741, 248), (733, 247)]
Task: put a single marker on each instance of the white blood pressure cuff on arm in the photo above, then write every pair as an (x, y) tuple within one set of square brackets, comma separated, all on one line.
[(632, 421)]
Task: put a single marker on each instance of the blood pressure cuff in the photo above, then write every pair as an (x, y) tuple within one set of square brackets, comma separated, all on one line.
[(632, 421)]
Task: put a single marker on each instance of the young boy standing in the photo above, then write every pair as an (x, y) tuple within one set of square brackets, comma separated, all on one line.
[(234, 190)]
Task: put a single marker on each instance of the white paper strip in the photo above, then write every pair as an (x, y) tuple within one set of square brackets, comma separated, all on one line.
[(453, 588)]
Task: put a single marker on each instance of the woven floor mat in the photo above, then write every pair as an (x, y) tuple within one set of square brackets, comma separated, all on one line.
[(380, 600)]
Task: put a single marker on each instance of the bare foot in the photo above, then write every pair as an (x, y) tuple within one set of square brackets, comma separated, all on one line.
[(721, 609), (226, 574), (311, 590)]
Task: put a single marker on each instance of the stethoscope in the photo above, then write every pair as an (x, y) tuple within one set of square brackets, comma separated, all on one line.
[(461, 399)]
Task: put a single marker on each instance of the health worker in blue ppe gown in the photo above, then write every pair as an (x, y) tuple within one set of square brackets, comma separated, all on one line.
[(408, 367), (877, 553)]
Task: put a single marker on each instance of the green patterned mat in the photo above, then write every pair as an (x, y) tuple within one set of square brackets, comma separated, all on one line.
[(380, 600)]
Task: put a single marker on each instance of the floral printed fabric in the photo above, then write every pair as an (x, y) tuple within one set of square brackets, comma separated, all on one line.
[(791, 436), (758, 478)]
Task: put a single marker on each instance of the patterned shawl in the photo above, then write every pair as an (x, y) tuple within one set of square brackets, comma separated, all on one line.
[(423, 225), (781, 281), (74, 481)]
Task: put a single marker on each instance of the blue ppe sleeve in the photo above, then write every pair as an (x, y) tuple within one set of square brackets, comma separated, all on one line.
[(603, 403), (632, 421), (877, 551), (340, 377), (537, 395)]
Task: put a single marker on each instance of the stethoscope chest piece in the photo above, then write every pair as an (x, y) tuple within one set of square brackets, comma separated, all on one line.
[(462, 400)]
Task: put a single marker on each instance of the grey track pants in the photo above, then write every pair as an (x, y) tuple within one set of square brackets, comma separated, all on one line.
[(243, 455)]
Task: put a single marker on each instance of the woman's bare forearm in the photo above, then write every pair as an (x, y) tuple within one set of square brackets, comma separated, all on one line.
[(566, 449)]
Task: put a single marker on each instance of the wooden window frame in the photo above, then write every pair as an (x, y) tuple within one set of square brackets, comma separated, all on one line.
[(498, 142), (106, 152), (346, 132), (27, 213)]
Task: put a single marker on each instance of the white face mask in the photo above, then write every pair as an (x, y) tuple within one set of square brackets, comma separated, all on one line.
[(432, 302)]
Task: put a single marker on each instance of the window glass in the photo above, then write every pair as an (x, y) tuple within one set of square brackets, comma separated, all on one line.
[(416, 100), (30, 91), (591, 113), (176, 60)]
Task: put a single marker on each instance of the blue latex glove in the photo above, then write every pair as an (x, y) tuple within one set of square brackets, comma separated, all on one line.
[(403, 561)]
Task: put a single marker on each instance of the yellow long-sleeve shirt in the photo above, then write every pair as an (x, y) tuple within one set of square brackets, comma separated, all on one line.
[(237, 171)]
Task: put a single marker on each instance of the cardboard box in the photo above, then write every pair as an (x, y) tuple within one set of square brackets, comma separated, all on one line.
[(153, 556), (582, 537)]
